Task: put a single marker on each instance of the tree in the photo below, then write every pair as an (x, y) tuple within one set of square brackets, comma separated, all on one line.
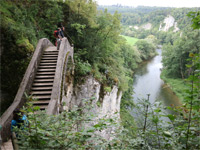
[(175, 56), (146, 49)]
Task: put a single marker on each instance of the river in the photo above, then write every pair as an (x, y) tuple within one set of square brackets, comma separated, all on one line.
[(147, 81)]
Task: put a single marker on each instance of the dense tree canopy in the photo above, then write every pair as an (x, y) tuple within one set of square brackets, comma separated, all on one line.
[(99, 48), (175, 55)]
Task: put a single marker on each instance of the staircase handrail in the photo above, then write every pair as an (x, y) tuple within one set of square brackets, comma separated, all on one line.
[(66, 50)]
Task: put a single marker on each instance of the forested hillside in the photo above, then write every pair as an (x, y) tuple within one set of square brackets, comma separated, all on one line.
[(99, 49), (132, 17), (22, 24), (178, 40)]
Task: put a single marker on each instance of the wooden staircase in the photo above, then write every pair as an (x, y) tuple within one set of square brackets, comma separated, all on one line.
[(43, 83)]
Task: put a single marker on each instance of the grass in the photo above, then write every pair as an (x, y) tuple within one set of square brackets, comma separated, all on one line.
[(130, 40), (177, 85)]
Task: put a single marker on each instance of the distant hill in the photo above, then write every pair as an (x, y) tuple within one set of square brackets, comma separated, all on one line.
[(155, 15), (130, 9)]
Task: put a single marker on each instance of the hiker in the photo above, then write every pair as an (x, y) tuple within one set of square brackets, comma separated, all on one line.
[(61, 29), (57, 35), (19, 120)]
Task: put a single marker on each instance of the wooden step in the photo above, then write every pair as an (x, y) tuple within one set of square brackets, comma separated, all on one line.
[(41, 92), (49, 58), (48, 70), (47, 67), (40, 102), (42, 97), (45, 73), (43, 80), (42, 84), (42, 88), (50, 55), (48, 64), (44, 77), (48, 61), (53, 51)]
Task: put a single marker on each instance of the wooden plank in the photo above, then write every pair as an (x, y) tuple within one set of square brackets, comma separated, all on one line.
[(48, 64), (48, 70), (43, 80), (47, 67), (50, 55), (48, 61), (40, 102), (46, 97), (40, 92), (42, 88), (45, 73), (42, 84), (44, 77)]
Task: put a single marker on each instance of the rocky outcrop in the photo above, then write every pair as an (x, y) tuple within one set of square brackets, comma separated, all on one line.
[(147, 26), (168, 22), (136, 27), (103, 103), (176, 27)]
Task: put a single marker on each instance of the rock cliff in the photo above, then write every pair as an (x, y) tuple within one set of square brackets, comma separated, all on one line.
[(104, 103), (168, 22)]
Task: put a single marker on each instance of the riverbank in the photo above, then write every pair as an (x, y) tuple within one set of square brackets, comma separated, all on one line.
[(178, 86)]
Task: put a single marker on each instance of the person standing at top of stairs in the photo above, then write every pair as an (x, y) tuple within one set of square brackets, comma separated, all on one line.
[(59, 34)]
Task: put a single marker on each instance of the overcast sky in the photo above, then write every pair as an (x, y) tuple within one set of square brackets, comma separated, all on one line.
[(165, 3)]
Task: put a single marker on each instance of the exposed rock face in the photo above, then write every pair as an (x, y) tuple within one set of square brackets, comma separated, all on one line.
[(136, 27), (175, 27), (104, 103), (168, 22), (147, 26)]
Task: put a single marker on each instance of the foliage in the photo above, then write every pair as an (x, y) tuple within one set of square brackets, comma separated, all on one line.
[(146, 49), (161, 130), (175, 55), (195, 19), (130, 40), (82, 68), (79, 129), (98, 45), (95, 34), (177, 85), (76, 129), (22, 24), (139, 16)]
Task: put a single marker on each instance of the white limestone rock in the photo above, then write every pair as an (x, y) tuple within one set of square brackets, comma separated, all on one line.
[(168, 22)]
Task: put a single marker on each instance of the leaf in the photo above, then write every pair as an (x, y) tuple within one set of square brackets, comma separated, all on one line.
[(155, 119), (167, 134), (36, 108), (29, 110), (171, 117), (157, 110)]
